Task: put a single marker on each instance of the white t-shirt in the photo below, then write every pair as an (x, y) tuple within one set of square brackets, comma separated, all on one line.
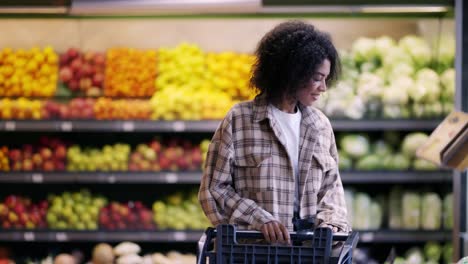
[(290, 125)]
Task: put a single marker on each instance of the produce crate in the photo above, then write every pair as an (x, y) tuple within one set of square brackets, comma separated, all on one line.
[(221, 245)]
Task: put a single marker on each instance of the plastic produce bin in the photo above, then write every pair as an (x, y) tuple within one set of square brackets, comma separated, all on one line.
[(221, 245)]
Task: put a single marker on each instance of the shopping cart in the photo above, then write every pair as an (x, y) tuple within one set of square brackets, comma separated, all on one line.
[(221, 246)]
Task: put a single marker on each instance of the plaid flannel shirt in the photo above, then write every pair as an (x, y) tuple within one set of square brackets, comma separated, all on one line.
[(248, 178)]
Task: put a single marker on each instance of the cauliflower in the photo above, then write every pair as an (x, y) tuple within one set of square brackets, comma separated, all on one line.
[(364, 50), (394, 56), (412, 142), (355, 108), (447, 79), (418, 49), (383, 44), (446, 52), (398, 70), (370, 86), (427, 88), (397, 91)]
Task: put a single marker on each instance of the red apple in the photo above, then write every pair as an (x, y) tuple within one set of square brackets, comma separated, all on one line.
[(65, 74), (61, 152), (49, 166), (72, 53), (46, 153)]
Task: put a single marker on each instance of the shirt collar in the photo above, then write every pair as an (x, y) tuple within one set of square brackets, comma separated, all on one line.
[(263, 110)]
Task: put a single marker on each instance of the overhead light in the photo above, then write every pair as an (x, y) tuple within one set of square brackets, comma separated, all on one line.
[(33, 10), (142, 7), (377, 9)]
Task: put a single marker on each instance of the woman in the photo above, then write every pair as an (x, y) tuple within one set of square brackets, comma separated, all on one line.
[(275, 158)]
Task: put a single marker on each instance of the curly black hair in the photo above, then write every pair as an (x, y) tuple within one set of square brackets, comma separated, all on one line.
[(287, 57)]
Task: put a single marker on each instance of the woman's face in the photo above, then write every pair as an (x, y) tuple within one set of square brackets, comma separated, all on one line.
[(316, 85)]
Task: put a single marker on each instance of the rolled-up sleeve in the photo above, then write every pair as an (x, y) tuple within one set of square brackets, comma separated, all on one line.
[(217, 195)]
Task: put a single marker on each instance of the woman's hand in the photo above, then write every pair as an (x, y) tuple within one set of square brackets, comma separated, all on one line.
[(275, 231)]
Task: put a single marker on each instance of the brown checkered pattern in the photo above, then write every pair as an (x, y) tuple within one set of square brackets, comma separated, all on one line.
[(248, 178)]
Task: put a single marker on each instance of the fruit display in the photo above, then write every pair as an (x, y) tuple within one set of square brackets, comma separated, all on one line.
[(18, 212), (28, 73), (180, 212), (109, 158), (4, 161), (126, 216), (77, 108), (20, 109), (358, 152), (404, 209), (130, 72), (390, 79), (186, 88), (230, 72), (123, 109), (74, 210), (83, 72), (49, 155), (174, 155)]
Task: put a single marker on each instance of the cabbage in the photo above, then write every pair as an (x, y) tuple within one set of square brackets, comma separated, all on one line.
[(364, 50), (396, 162), (371, 162), (361, 205), (394, 111), (448, 253), (355, 146), (447, 79), (381, 148), (448, 211), (394, 205), (411, 204), (414, 256), (349, 196), (345, 162), (431, 211), (399, 260), (421, 164), (432, 251), (418, 49), (376, 214), (412, 142)]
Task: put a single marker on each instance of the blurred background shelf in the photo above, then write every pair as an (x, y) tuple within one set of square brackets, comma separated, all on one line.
[(403, 236), (183, 177), (208, 126)]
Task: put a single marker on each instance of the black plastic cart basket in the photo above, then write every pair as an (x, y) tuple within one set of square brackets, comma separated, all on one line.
[(221, 245)]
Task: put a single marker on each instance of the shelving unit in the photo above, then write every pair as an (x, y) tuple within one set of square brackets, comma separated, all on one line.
[(195, 126), (348, 177)]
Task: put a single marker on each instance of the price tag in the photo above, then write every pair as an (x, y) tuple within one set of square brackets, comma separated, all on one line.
[(37, 178), (179, 126), (29, 236), (128, 126), (60, 236), (172, 178), (111, 179), (366, 237), (180, 236), (66, 126), (10, 126)]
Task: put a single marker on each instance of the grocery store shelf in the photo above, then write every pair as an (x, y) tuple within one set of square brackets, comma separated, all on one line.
[(385, 177), (109, 126), (208, 126), (382, 124), (102, 177), (100, 236), (384, 236), (348, 177), (403, 236)]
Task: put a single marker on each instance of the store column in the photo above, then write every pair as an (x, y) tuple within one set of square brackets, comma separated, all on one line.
[(461, 103)]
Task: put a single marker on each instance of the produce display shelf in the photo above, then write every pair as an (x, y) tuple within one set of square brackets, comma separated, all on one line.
[(385, 177), (205, 126), (100, 236), (102, 177), (404, 236), (183, 177), (378, 236)]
